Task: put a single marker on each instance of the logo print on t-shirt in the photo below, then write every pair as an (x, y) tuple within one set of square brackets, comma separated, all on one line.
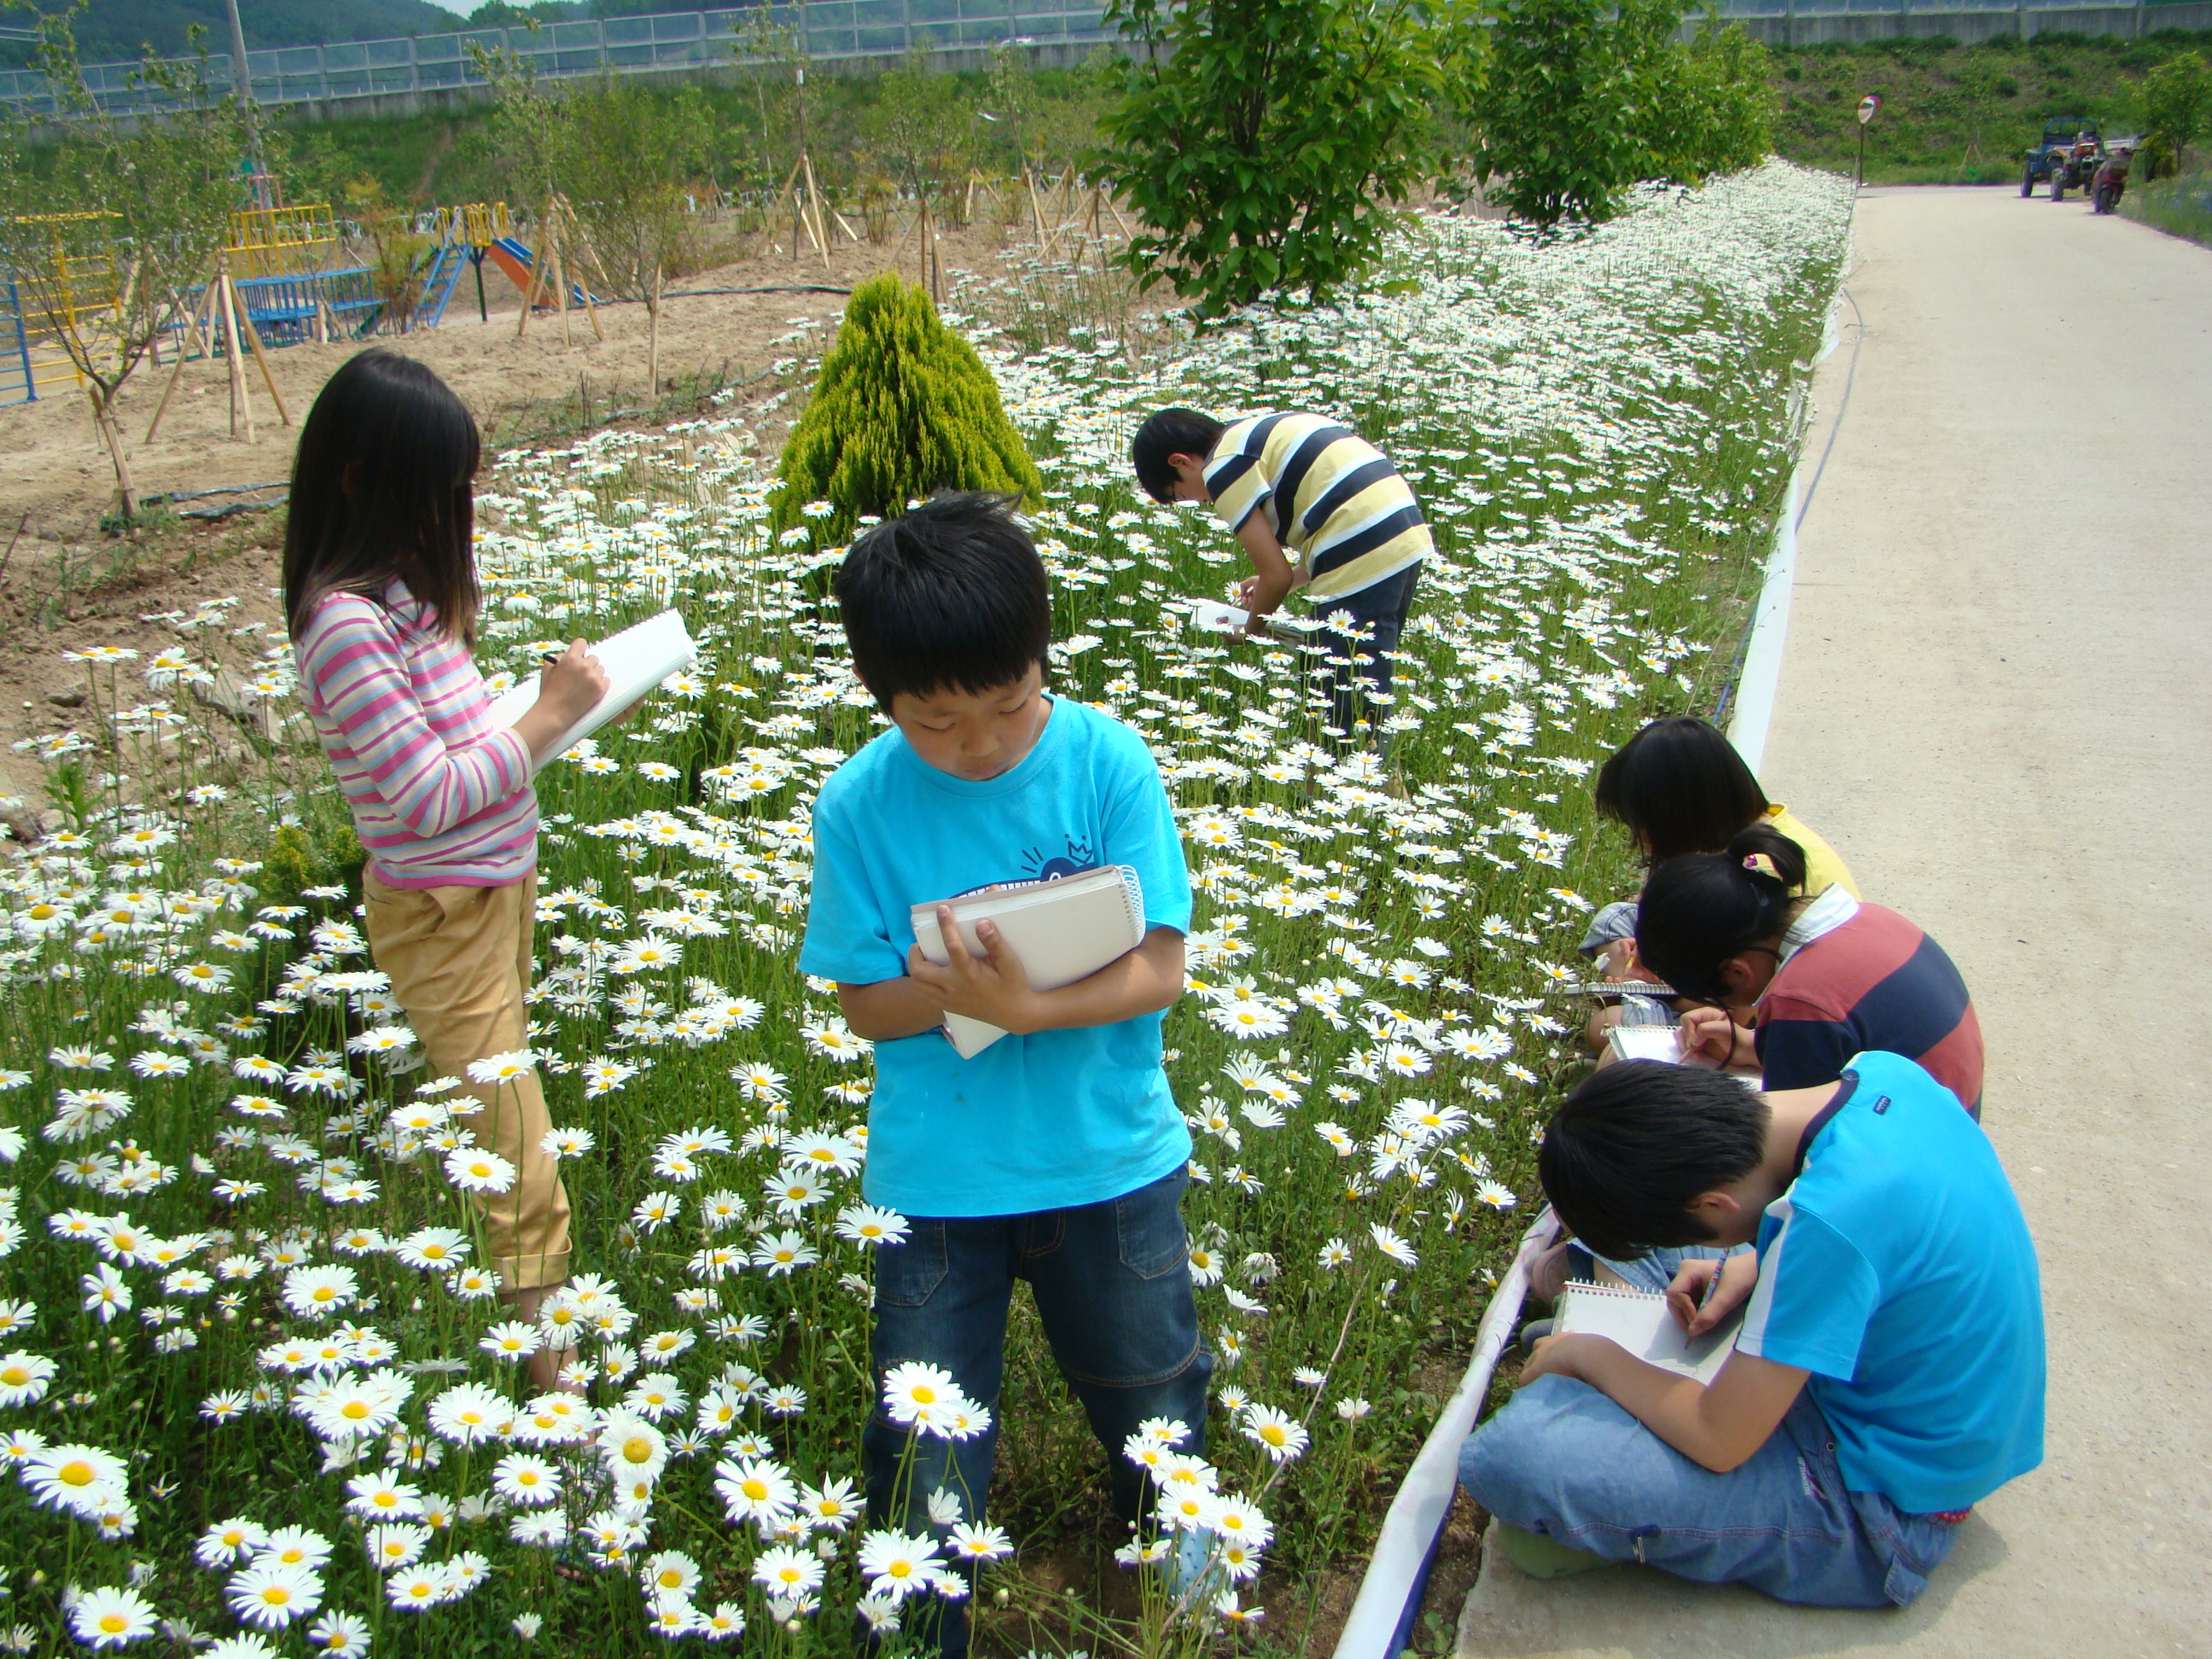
[(1078, 858)]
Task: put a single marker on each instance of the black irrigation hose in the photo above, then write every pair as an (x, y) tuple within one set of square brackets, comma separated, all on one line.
[(716, 293), (1842, 408)]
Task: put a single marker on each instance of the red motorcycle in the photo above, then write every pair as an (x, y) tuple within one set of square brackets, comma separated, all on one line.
[(2112, 181)]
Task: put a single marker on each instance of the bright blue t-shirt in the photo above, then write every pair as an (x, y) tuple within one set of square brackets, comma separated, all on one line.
[(1899, 1271), (1038, 1122)]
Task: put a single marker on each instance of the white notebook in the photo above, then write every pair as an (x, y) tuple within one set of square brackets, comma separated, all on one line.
[(1639, 1321), (1647, 1042), (1211, 616), (1060, 930), (636, 659)]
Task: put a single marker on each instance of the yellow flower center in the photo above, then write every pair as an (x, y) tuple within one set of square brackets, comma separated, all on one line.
[(113, 1624), (15, 1376), (353, 1410), (275, 1596), (76, 1472), (638, 1449)]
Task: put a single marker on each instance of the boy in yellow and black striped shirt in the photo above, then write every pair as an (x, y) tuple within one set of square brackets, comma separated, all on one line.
[(1315, 507)]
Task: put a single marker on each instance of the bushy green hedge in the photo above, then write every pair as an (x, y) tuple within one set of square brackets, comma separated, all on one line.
[(903, 407)]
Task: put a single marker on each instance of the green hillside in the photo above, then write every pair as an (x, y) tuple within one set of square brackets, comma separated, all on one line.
[(1951, 113)]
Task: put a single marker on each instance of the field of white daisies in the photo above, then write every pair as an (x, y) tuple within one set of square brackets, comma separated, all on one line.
[(256, 1393)]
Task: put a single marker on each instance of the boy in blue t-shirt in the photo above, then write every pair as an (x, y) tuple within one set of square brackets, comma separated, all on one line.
[(1889, 1374), (1056, 1155)]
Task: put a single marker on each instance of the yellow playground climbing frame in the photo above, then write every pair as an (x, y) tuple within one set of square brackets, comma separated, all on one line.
[(281, 242)]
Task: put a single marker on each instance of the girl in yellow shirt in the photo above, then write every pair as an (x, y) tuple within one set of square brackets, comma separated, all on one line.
[(1679, 785)]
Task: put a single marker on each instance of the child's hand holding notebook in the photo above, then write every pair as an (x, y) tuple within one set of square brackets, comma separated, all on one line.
[(1060, 931)]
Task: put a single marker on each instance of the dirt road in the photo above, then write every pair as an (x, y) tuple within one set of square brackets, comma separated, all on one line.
[(1994, 701)]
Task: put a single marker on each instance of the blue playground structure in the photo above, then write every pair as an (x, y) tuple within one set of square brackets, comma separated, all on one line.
[(282, 309)]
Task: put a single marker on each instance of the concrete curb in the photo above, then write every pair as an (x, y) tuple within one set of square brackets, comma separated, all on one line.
[(1381, 1616)]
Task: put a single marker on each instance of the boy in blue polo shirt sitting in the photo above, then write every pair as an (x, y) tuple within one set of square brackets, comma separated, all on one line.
[(1057, 1154), (1889, 1374)]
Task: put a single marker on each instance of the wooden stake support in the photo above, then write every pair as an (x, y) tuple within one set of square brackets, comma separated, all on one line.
[(261, 356), (183, 354), (234, 357), (814, 206)]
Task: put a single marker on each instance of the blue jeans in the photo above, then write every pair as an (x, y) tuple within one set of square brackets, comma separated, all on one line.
[(1112, 1284), (1562, 1460), (1375, 621)]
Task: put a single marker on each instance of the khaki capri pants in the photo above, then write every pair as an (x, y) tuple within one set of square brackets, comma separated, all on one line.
[(459, 961)]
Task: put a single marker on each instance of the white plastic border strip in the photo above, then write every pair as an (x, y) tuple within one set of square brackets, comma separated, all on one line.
[(1756, 684), (1390, 1594)]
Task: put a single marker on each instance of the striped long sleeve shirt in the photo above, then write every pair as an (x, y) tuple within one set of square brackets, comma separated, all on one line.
[(441, 796)]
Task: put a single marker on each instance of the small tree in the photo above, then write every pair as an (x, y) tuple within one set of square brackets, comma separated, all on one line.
[(1701, 109), (903, 406), (151, 210), (921, 127), (622, 155), (2176, 101), (627, 153), (1265, 144), (1561, 115)]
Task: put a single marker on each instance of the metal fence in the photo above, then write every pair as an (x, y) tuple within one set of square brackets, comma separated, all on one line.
[(851, 30)]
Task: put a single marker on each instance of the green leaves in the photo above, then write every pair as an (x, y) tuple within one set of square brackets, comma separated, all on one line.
[(903, 407), (2177, 99), (1264, 143), (1579, 103)]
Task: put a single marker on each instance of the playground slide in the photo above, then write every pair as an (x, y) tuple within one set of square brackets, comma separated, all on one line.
[(518, 262)]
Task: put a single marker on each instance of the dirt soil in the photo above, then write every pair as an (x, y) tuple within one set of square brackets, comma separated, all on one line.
[(65, 583)]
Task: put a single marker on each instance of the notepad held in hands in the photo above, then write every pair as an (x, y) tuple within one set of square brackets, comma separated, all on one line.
[(1639, 1321), (1211, 616), (636, 659), (1060, 930)]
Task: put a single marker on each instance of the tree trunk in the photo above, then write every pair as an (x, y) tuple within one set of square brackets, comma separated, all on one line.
[(652, 339), (111, 435)]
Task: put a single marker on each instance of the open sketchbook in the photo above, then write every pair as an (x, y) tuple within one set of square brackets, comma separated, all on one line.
[(636, 659), (1662, 1042), (1639, 1321), (1060, 930)]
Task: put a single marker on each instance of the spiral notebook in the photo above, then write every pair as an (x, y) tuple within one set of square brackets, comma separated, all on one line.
[(636, 659), (1061, 930), (1638, 1322)]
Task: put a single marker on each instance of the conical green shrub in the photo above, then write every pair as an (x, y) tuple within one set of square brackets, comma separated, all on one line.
[(903, 407)]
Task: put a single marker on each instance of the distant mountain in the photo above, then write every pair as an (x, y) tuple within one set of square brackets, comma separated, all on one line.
[(111, 31)]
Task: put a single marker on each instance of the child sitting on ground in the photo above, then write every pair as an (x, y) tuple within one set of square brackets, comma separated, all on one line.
[(1332, 500), (1889, 1375), (1679, 786), (1057, 1154), (1796, 985)]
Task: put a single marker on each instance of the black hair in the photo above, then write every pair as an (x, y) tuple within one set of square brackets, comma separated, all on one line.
[(383, 490), (1630, 1149), (1698, 910), (1170, 432), (1678, 786), (951, 594)]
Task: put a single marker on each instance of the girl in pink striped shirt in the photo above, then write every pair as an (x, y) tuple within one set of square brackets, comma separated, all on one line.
[(380, 598)]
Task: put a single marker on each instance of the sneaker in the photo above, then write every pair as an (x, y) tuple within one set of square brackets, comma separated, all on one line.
[(1189, 1565), (1545, 1558)]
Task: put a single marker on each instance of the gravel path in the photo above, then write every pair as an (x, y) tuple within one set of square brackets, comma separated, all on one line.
[(1994, 702)]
